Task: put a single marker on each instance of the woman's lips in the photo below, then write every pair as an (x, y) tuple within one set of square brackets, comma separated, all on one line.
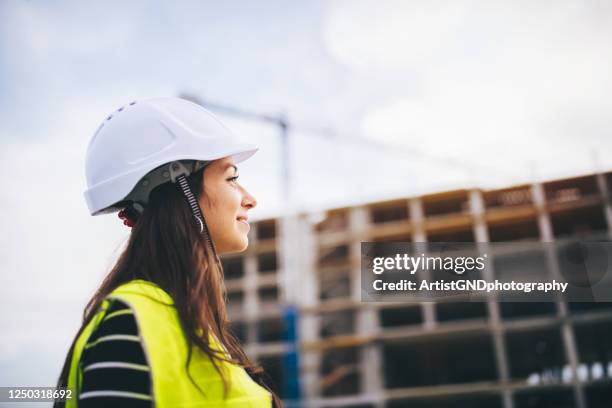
[(243, 220)]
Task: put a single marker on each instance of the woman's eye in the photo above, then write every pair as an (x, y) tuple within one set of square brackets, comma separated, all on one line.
[(233, 179)]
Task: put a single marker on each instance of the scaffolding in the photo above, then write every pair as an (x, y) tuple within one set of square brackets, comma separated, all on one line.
[(428, 354)]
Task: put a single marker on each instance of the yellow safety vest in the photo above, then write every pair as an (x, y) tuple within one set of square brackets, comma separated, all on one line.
[(165, 348)]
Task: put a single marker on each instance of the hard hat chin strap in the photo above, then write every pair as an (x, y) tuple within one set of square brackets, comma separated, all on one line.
[(178, 175)]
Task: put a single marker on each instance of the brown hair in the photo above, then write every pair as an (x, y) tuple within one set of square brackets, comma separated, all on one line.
[(166, 248)]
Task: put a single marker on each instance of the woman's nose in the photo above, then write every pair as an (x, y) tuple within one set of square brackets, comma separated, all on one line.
[(248, 200)]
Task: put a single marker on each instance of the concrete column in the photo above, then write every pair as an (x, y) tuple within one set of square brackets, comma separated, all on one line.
[(481, 234), (367, 316), (371, 355), (359, 221), (417, 219), (567, 333), (607, 197), (251, 302), (300, 288)]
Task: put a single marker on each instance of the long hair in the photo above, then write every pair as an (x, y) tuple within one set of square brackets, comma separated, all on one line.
[(166, 248)]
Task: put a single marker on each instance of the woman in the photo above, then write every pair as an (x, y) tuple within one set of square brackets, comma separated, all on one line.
[(156, 331)]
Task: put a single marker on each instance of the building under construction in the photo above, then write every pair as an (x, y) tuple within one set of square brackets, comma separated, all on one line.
[(490, 354)]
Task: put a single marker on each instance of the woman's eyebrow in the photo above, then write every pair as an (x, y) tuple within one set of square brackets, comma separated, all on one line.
[(231, 165)]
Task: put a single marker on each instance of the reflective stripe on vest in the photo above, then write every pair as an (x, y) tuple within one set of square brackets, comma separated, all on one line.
[(165, 348)]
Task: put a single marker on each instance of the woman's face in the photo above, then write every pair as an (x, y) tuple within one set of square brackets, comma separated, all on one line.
[(225, 203)]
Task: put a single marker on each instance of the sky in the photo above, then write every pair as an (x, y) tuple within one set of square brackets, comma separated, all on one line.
[(384, 99)]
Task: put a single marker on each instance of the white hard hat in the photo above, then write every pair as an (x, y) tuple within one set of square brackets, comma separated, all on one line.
[(138, 139)]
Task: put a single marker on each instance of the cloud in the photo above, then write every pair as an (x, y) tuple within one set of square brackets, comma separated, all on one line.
[(519, 79), (36, 27), (390, 34)]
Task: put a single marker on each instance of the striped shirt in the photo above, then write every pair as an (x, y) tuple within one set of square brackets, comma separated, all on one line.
[(114, 366)]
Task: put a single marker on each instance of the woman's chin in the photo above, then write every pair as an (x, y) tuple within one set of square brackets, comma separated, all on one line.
[(239, 245), (245, 244)]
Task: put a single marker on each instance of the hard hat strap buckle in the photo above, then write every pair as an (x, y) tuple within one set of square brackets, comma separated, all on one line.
[(177, 169)]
